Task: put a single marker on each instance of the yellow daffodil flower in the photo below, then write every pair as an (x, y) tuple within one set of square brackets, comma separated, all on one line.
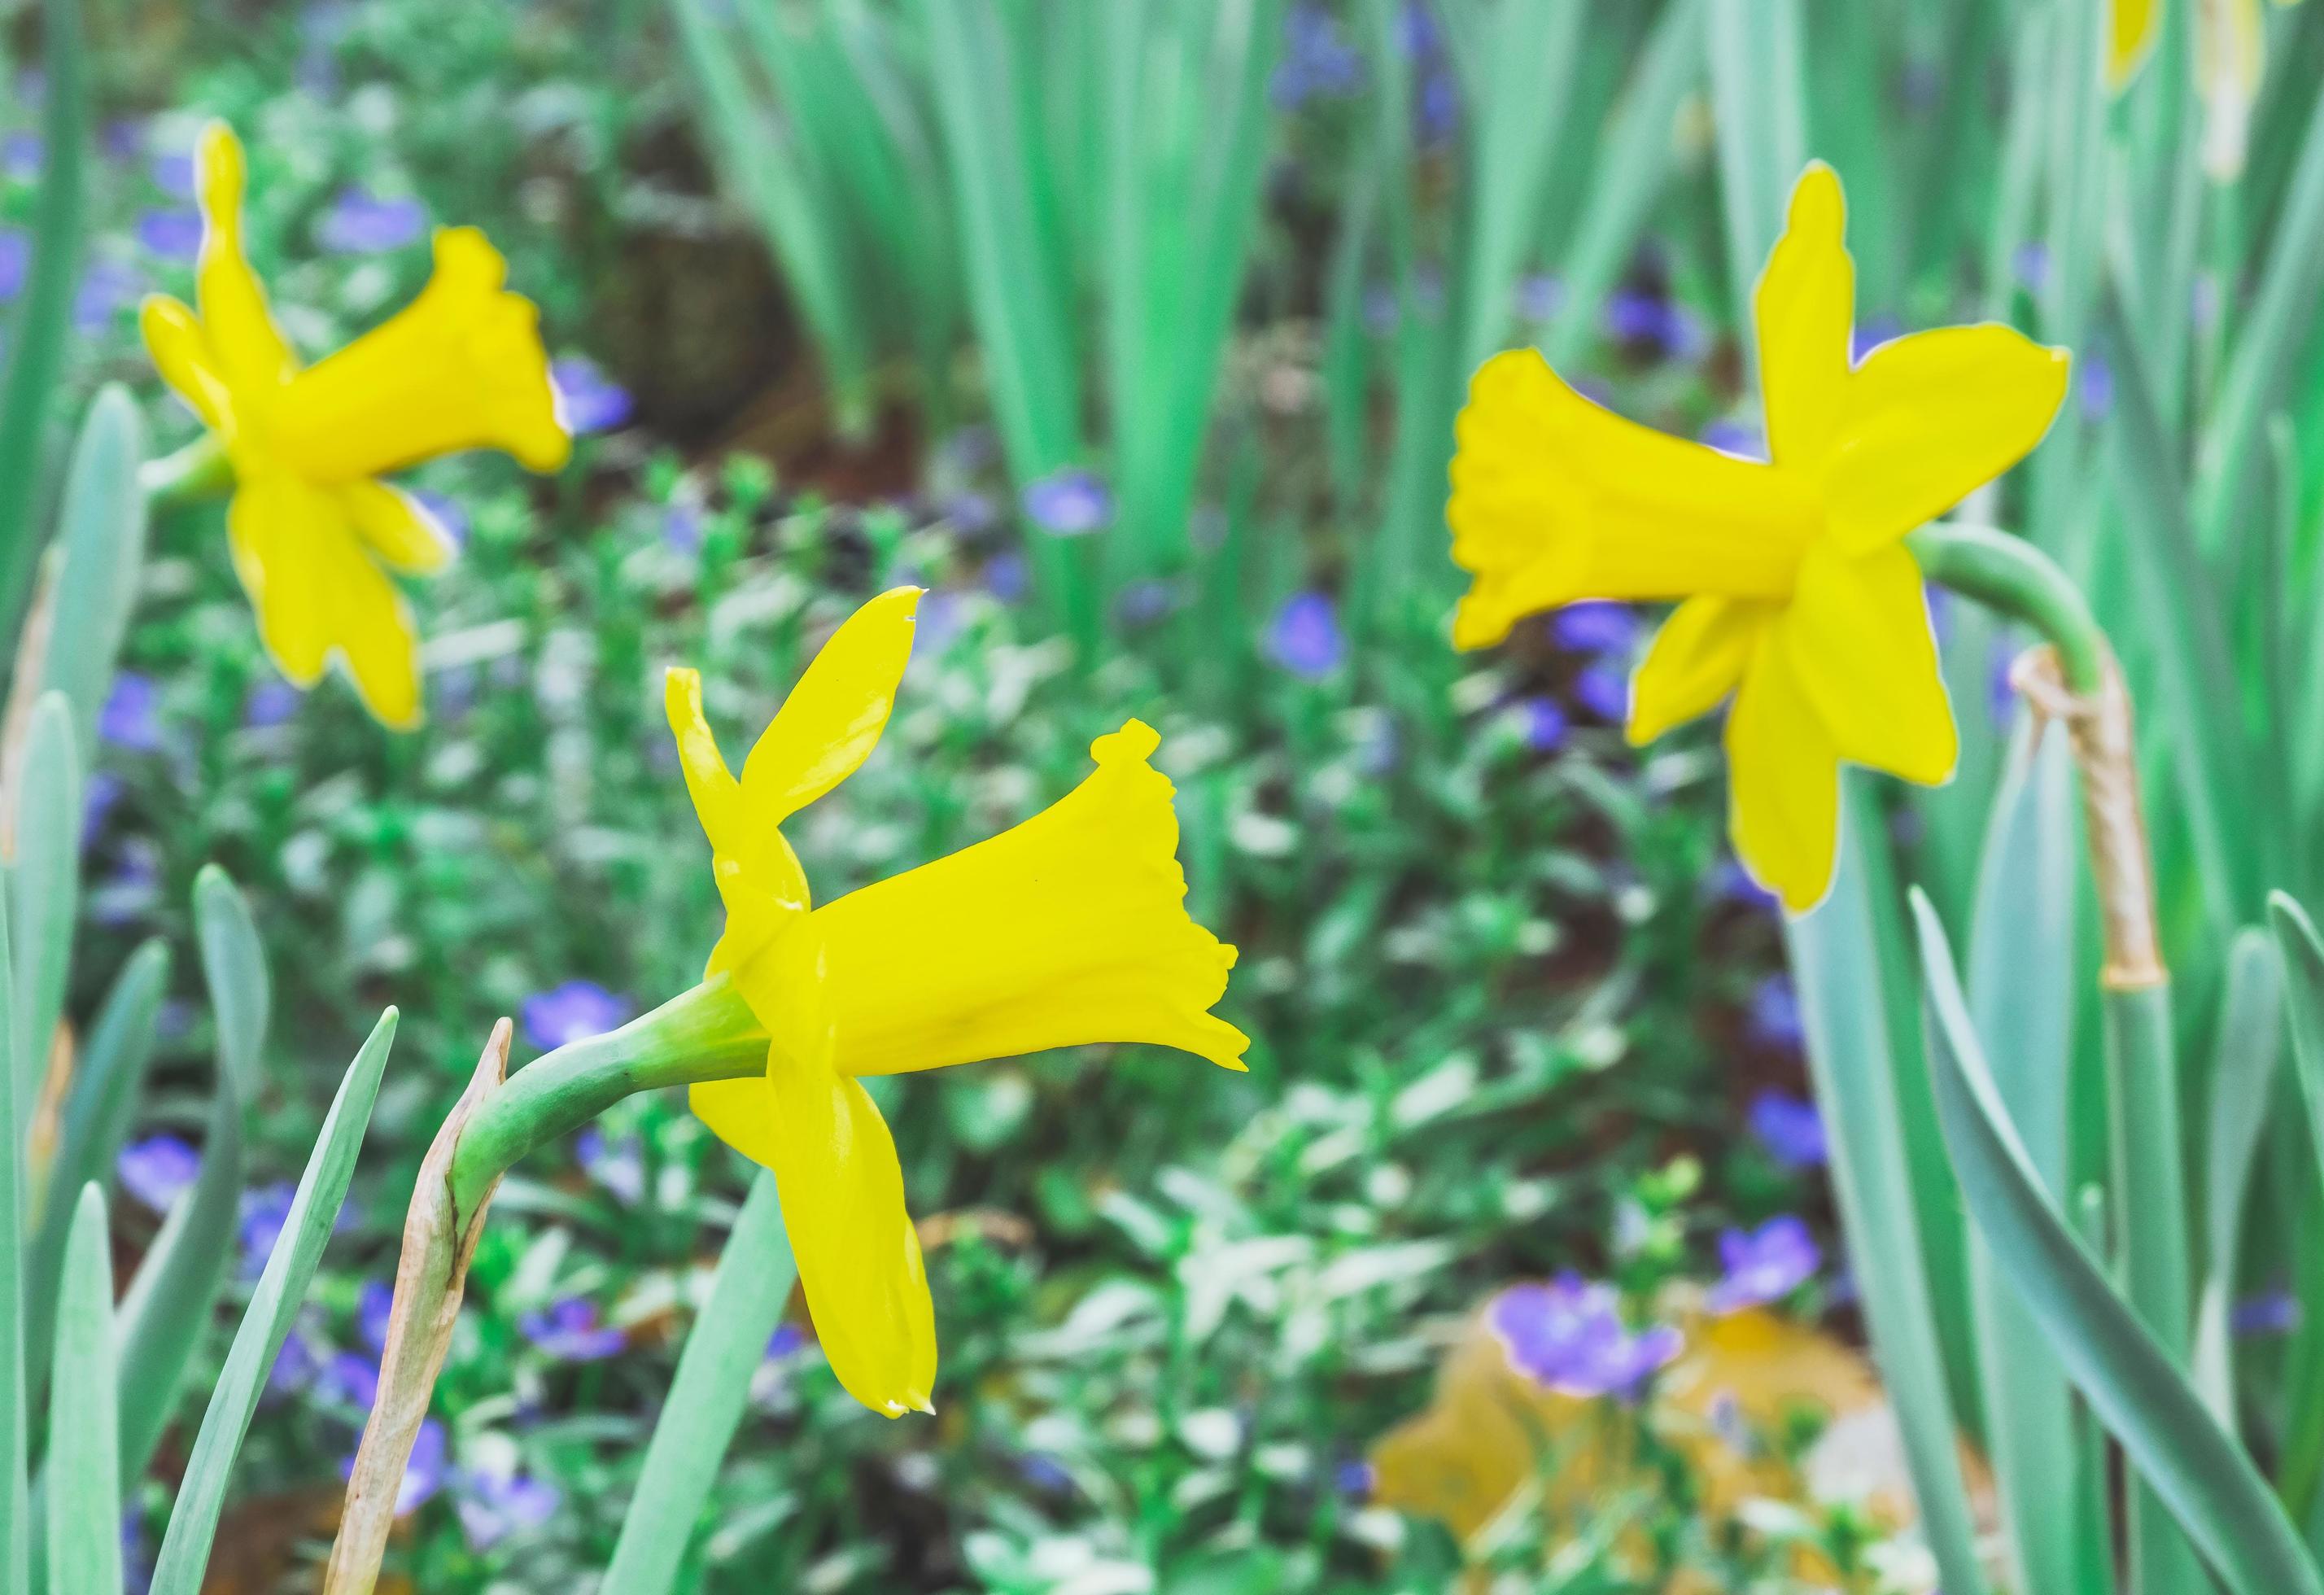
[(1070, 928), (1799, 596), (313, 530), (2230, 58)]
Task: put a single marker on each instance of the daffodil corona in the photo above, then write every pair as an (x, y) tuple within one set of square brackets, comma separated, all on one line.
[(1797, 593), (1069, 928), (314, 532)]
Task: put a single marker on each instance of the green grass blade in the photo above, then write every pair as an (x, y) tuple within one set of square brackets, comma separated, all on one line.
[(2021, 978), (2243, 1084), (1835, 958), (84, 1465), (36, 338), (176, 1288), (45, 887), (101, 535), (178, 1569), (706, 1399), (97, 1120), (2303, 971), (2206, 1479), (15, 1508)]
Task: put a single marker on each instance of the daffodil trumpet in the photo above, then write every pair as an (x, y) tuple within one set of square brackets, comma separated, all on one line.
[(314, 528)]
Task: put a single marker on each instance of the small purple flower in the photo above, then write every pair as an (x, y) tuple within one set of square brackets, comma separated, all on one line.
[(1604, 691), (1045, 1472), (424, 1474), (587, 400), (1596, 626), (271, 702), (1775, 1017), (1354, 1480), (172, 172), (681, 529), (572, 1332), (1318, 60), (350, 1380), (449, 514), (1539, 296), (1764, 1265), (21, 156), (1305, 637), (1568, 1335), (105, 291), (129, 717), (1142, 604), (786, 1339), (1545, 724), (263, 1212), (173, 235), (1007, 577), (1733, 882), (158, 1169), (573, 1011), (2271, 1313), (2000, 691), (360, 223), (1068, 504), (375, 1308), (99, 798), (1791, 1129), (1870, 333), (1729, 436), (122, 138), (2031, 263), (970, 512), (129, 889), (296, 1365), (1650, 321), (620, 1167), (15, 262), (2098, 387), (491, 1507), (942, 618)]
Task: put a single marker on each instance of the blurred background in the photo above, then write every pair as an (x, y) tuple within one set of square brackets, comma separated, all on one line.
[(1134, 331)]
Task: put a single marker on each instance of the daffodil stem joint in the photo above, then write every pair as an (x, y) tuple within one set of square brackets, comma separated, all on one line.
[(708, 1033), (200, 470), (2076, 682)]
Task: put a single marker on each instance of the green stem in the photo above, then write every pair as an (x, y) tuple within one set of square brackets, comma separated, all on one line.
[(2013, 575), (199, 470), (708, 1033)]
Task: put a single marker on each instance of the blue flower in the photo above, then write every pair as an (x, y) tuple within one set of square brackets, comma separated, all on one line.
[(157, 1170), (446, 512), (375, 1307), (1544, 721), (1729, 436), (573, 1011), (1068, 504), (350, 1380), (1354, 1480), (1596, 626), (1870, 333), (1045, 1472), (1791, 1129), (263, 1212), (1604, 691), (1653, 323), (786, 1339), (424, 1474), (681, 529), (99, 798), (21, 156), (2031, 264), (359, 223), (492, 1506), (2271, 1313), (270, 704), (1305, 637), (1774, 1017), (1007, 577), (295, 1365), (2098, 387), (620, 1167), (1317, 60), (1568, 1336), (173, 235), (1141, 604), (129, 717), (572, 1332), (172, 172), (587, 400), (105, 291), (1764, 1265), (15, 262), (1539, 296)]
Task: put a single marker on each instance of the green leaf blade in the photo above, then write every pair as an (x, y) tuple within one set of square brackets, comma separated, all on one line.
[(84, 1463)]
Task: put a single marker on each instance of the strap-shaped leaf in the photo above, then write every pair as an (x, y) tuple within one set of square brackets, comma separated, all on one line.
[(101, 538), (45, 887), (84, 1466), (2205, 1478), (282, 1291), (15, 1508)]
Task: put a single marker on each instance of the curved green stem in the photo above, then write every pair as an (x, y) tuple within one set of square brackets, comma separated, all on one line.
[(199, 470), (708, 1033), (2017, 579)]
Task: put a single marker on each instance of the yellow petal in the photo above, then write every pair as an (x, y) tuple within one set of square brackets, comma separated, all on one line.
[(1861, 648), (1784, 776), (2130, 34), (461, 367), (398, 528), (1069, 928), (717, 796), (1932, 418), (843, 1196), (833, 718), (1555, 499), (182, 354), (2230, 59), (250, 348), (317, 594), (1696, 661), (1805, 306), (758, 875)]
